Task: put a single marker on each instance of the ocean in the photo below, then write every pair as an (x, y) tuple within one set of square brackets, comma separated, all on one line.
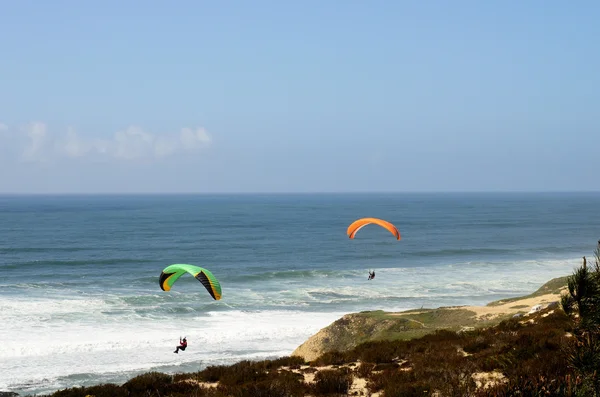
[(80, 301)]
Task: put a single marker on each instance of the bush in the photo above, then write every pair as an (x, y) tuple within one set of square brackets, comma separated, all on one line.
[(284, 384), (244, 372), (331, 381), (331, 358), (395, 389), (148, 383), (386, 366), (104, 390), (396, 383), (537, 386), (381, 351), (184, 388), (478, 344), (364, 370), (212, 373), (294, 362)]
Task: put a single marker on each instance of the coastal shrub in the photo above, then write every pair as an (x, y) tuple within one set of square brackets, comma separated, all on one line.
[(384, 366), (178, 377), (199, 391), (212, 373), (332, 381), (294, 362), (188, 387), (530, 353), (565, 386), (436, 363), (451, 378), (103, 390), (381, 351), (364, 370), (442, 335), (147, 383), (284, 373), (219, 391), (413, 389), (243, 372), (309, 370), (476, 345), (444, 369), (282, 384), (512, 325), (331, 358), (558, 319), (396, 383), (237, 373)]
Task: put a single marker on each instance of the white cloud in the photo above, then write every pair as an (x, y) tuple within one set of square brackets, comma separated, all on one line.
[(194, 138), (130, 144), (37, 134), (3, 127), (73, 146), (165, 147)]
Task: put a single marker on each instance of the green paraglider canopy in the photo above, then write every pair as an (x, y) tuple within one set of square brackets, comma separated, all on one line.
[(171, 273)]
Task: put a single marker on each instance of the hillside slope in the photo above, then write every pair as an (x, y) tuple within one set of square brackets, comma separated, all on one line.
[(356, 328)]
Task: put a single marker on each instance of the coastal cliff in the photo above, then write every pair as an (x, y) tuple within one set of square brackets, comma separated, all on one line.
[(353, 329)]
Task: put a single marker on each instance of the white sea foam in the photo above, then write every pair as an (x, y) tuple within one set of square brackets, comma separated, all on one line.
[(37, 355)]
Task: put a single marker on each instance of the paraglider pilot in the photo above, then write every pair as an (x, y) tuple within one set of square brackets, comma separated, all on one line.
[(182, 345)]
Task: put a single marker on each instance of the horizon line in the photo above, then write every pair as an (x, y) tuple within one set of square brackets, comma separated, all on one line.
[(247, 193)]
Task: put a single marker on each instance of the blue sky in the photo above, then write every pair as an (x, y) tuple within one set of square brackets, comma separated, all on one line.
[(271, 96)]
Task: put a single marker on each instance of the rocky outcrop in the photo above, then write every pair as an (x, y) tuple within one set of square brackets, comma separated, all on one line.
[(346, 333), (354, 329)]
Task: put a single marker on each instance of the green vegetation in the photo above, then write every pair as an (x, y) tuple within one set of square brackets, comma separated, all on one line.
[(552, 352), (583, 305)]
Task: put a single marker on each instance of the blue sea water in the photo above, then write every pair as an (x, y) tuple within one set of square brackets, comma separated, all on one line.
[(80, 302)]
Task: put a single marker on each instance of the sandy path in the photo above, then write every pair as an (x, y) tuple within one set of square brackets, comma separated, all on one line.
[(512, 307)]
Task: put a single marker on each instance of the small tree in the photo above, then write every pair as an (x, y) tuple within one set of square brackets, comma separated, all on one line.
[(583, 305)]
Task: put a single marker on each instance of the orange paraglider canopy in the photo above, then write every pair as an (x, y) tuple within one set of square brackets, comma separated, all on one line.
[(360, 223)]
